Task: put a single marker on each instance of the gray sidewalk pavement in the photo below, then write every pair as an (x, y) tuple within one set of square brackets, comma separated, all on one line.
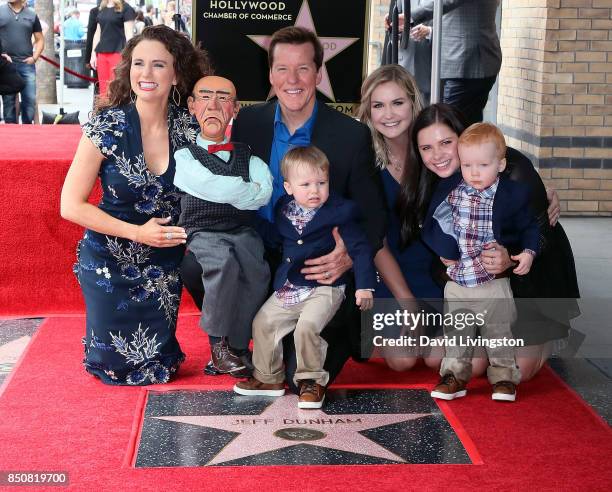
[(591, 239)]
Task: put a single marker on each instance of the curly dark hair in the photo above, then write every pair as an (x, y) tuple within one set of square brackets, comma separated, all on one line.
[(191, 63)]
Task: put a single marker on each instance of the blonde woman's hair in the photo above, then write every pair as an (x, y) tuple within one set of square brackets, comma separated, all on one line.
[(310, 157), (386, 73), (106, 3)]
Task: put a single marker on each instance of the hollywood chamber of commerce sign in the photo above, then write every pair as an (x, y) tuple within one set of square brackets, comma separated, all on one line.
[(236, 33)]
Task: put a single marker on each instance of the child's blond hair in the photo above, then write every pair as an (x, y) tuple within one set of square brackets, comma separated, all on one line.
[(310, 157)]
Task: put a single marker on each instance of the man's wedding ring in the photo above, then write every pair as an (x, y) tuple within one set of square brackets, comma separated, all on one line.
[(168, 236)]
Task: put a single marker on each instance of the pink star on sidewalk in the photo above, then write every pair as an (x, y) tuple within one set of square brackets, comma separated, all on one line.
[(282, 425), (331, 47)]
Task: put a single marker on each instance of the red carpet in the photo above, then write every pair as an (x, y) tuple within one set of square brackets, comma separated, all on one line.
[(38, 246), (56, 417)]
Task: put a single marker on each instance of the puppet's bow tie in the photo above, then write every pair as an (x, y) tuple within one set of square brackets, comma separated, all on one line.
[(217, 148)]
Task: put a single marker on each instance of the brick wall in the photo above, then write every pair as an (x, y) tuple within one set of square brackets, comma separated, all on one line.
[(582, 191), (555, 95)]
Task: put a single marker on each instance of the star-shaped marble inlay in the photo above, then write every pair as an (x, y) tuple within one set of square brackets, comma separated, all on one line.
[(282, 425), (332, 46)]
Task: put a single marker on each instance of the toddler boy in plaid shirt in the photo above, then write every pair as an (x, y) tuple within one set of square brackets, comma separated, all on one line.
[(467, 212), (304, 220)]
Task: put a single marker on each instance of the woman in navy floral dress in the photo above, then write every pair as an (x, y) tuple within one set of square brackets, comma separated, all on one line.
[(128, 260)]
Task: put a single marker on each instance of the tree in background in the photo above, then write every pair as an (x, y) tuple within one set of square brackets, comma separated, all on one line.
[(46, 91)]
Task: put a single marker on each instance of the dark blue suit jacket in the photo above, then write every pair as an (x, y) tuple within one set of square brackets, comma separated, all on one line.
[(348, 147), (514, 225), (317, 240)]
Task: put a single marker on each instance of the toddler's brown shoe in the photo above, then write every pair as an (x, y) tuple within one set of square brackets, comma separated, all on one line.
[(254, 387), (504, 391), (312, 394), (449, 388)]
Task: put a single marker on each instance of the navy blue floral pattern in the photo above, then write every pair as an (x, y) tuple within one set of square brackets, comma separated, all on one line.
[(132, 291)]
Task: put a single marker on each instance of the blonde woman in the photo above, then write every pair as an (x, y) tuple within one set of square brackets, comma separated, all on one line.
[(114, 27), (390, 100)]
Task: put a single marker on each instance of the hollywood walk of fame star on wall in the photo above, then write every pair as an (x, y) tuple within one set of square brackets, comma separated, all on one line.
[(332, 46)]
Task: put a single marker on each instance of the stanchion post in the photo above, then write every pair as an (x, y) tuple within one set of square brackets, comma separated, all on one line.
[(436, 51), (62, 55), (395, 34), (177, 15)]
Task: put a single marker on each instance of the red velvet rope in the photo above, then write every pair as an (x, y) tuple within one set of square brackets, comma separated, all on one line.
[(71, 72)]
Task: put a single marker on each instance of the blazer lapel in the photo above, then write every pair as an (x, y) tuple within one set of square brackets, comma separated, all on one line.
[(322, 133), (259, 132), (328, 212), (499, 204), (286, 228), (284, 224)]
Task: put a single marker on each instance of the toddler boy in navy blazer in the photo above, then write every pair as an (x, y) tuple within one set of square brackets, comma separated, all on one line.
[(468, 211), (304, 220)]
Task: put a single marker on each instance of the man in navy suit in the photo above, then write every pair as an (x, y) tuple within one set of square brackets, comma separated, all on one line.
[(296, 117), (304, 220)]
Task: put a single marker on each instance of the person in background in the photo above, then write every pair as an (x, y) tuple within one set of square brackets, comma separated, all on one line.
[(115, 26), (470, 54), (10, 81), (18, 25), (92, 21), (139, 22), (169, 17), (73, 30), (149, 19), (168, 14), (416, 56)]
